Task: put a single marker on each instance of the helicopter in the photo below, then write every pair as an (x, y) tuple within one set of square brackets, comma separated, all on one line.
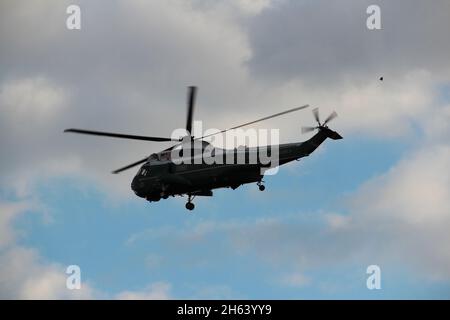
[(167, 173)]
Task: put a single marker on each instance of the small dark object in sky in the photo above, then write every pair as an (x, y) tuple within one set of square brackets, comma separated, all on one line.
[(381, 78)]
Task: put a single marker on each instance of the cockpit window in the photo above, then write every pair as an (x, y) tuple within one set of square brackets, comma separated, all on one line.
[(165, 155)]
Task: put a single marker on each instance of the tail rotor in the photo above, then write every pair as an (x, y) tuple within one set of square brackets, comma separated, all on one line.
[(315, 111), (323, 126)]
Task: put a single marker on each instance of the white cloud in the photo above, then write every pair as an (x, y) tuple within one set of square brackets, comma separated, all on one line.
[(415, 191), (436, 126), (251, 6), (215, 292), (23, 272), (408, 211), (325, 42), (23, 275), (296, 279), (134, 79), (31, 100), (156, 291), (8, 212), (387, 109), (397, 220), (336, 221)]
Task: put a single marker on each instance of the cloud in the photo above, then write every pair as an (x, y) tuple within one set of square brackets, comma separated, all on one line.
[(396, 220), (33, 100), (399, 218), (407, 209), (23, 275), (215, 292), (251, 6), (436, 126), (123, 83), (9, 211), (127, 70), (156, 291), (325, 42), (31, 109), (295, 280), (371, 108)]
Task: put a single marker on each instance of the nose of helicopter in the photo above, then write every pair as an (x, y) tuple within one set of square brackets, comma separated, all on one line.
[(137, 187)]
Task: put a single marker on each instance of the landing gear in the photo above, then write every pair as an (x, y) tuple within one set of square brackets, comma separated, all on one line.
[(261, 186), (189, 205), (164, 194)]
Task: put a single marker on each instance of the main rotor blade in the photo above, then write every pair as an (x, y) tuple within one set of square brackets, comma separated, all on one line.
[(190, 111), (316, 115), (262, 119), (330, 117), (308, 129), (119, 135), (130, 166)]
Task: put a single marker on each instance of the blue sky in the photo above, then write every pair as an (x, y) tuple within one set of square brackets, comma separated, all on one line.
[(126, 245), (379, 196)]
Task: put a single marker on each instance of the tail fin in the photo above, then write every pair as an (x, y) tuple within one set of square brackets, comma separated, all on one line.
[(331, 134)]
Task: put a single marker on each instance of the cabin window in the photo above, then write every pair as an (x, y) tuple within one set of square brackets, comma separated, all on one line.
[(165, 156)]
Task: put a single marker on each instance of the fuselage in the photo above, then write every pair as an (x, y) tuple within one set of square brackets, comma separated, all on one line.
[(161, 176)]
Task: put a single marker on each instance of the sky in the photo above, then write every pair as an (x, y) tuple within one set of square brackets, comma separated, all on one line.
[(378, 197)]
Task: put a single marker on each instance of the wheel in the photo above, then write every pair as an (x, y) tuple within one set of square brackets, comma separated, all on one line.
[(262, 187), (190, 206)]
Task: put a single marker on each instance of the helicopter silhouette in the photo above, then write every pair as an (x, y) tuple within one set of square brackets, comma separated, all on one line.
[(177, 171)]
